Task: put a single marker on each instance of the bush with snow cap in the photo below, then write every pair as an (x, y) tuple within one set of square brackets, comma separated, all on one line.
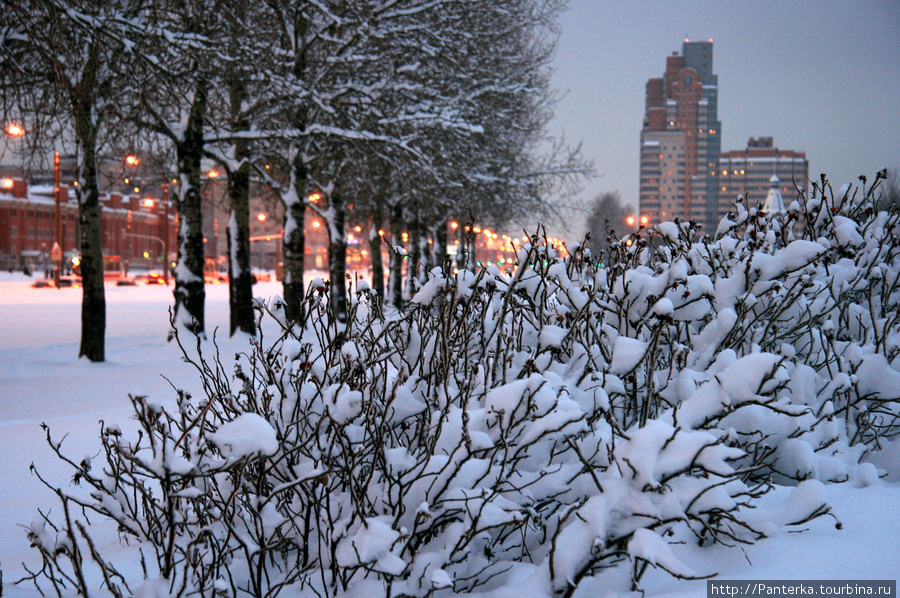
[(542, 424)]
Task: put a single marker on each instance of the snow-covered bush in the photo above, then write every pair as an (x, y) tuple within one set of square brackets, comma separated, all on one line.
[(530, 426)]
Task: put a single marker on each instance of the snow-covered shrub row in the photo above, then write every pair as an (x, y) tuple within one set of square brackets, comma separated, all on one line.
[(534, 426)]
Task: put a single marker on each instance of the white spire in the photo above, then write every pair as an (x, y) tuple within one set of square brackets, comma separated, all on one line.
[(774, 203)]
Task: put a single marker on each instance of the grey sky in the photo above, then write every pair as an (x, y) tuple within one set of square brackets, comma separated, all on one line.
[(818, 76)]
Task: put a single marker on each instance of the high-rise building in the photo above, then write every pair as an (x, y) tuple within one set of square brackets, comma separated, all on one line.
[(680, 139), (749, 172)]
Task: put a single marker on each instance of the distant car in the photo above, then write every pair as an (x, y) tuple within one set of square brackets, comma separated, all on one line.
[(155, 278), (64, 281), (215, 278)]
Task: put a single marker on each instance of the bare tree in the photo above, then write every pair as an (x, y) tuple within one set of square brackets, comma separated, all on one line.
[(62, 69), (178, 64), (607, 219)]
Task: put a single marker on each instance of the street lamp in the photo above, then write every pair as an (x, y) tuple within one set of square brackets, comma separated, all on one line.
[(14, 130)]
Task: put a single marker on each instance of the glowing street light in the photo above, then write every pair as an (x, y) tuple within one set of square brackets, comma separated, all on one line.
[(261, 217), (7, 183), (213, 173), (630, 221), (645, 219), (14, 130), (132, 160)]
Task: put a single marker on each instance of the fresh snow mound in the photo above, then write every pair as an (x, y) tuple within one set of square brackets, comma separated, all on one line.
[(249, 435), (648, 545), (627, 354)]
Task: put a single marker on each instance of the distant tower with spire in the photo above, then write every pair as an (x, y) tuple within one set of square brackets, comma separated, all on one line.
[(774, 203)]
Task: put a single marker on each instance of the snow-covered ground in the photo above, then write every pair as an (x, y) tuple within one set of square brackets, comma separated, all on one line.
[(43, 381)]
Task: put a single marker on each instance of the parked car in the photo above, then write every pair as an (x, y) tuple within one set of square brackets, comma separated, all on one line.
[(64, 281)]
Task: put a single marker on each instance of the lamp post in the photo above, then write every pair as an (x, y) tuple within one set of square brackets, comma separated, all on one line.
[(56, 251)]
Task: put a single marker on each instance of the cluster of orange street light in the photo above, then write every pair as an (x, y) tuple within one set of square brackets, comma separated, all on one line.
[(632, 220)]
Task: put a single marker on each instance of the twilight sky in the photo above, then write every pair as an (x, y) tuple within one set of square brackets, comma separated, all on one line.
[(818, 76)]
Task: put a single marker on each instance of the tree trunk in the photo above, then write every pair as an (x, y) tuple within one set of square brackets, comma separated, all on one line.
[(395, 276), (439, 248), (93, 302), (426, 252), (190, 292), (414, 248), (375, 251), (294, 242), (472, 263), (240, 277), (462, 249), (337, 255)]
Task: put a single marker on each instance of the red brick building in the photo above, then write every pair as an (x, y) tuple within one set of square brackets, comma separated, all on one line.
[(680, 139), (132, 227)]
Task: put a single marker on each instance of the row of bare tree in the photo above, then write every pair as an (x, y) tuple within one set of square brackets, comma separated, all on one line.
[(411, 111)]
